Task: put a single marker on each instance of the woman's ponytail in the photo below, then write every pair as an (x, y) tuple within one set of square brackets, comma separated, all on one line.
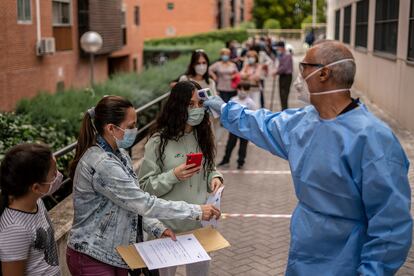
[(86, 139)]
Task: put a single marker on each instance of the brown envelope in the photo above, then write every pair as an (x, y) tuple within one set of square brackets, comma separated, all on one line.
[(208, 237)]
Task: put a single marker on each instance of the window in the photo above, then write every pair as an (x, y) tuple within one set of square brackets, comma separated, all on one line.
[(24, 11), (170, 6), (337, 22), (411, 39), (386, 26), (346, 37), (242, 11), (135, 64), (136, 15), (361, 24), (62, 31), (219, 14), (61, 12), (233, 13), (124, 26)]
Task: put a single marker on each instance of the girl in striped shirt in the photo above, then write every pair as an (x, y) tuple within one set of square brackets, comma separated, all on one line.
[(27, 244)]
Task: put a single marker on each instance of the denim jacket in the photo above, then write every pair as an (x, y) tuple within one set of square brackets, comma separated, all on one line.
[(107, 200)]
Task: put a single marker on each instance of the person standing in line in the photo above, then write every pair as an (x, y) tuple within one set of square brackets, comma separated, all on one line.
[(251, 73), (198, 71), (243, 99), (223, 72), (284, 70), (183, 127), (310, 37)]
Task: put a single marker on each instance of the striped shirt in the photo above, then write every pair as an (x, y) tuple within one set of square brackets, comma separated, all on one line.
[(29, 236)]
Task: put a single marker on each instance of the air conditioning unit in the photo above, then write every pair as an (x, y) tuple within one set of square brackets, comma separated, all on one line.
[(45, 46)]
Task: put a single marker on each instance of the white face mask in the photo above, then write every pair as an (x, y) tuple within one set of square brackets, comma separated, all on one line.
[(54, 184), (302, 89), (200, 69)]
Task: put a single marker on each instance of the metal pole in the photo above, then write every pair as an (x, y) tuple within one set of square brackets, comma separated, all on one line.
[(91, 65), (314, 13)]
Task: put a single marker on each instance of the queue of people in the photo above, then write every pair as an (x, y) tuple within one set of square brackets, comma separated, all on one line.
[(349, 172)]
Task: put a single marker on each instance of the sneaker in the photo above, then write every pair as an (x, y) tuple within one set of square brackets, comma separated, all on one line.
[(240, 167), (223, 164)]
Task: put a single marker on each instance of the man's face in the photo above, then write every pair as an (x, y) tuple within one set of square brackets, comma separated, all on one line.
[(307, 67)]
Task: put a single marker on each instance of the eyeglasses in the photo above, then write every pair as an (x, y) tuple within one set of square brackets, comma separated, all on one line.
[(303, 64)]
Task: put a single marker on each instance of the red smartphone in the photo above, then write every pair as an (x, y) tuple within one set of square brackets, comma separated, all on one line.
[(194, 158)]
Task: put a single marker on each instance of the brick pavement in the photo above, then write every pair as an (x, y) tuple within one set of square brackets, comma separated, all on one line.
[(260, 245)]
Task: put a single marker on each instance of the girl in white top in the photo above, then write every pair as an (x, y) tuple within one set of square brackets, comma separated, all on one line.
[(197, 71)]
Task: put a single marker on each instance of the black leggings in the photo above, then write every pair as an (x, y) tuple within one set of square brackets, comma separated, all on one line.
[(231, 143)]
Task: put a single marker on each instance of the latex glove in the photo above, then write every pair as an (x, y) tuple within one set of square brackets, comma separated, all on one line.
[(214, 103)]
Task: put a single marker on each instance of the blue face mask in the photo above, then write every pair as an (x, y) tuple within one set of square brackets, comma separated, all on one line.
[(129, 138), (225, 57)]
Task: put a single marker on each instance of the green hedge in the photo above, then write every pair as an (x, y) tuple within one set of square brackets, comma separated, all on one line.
[(202, 38), (67, 109), (16, 129)]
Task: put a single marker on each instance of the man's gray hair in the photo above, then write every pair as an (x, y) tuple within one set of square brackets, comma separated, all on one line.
[(328, 51)]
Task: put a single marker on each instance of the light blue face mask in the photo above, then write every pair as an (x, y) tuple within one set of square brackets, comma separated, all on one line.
[(129, 138), (195, 116), (225, 58)]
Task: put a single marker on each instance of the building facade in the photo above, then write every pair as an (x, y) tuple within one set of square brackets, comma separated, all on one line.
[(30, 64), (381, 36), (39, 39), (168, 18), (130, 57)]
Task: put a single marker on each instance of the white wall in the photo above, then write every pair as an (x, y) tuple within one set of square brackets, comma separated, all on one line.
[(387, 81)]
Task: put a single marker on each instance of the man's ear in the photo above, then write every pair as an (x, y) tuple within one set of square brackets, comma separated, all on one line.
[(324, 74)]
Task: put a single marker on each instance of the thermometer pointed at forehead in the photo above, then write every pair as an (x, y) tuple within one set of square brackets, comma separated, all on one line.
[(204, 94)]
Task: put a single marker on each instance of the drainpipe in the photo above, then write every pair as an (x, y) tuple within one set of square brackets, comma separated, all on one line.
[(39, 35)]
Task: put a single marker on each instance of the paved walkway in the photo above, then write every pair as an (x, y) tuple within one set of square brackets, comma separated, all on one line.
[(260, 244)]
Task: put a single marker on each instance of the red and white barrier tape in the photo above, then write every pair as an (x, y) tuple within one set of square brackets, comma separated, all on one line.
[(254, 172), (226, 215)]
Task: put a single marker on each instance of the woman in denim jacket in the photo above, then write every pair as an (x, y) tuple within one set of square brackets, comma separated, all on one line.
[(107, 197)]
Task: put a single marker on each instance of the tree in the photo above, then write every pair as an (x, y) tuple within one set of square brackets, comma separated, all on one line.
[(290, 13), (271, 24)]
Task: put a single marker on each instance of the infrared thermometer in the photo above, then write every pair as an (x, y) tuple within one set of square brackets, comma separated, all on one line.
[(204, 94)]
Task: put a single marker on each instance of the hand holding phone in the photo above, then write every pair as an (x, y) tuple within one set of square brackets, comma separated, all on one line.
[(184, 171), (194, 158)]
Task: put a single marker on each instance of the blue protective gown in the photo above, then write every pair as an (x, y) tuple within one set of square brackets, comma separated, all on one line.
[(350, 176)]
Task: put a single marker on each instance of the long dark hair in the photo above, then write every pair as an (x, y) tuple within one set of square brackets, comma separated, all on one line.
[(23, 166), (171, 122), (109, 110), (194, 59)]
